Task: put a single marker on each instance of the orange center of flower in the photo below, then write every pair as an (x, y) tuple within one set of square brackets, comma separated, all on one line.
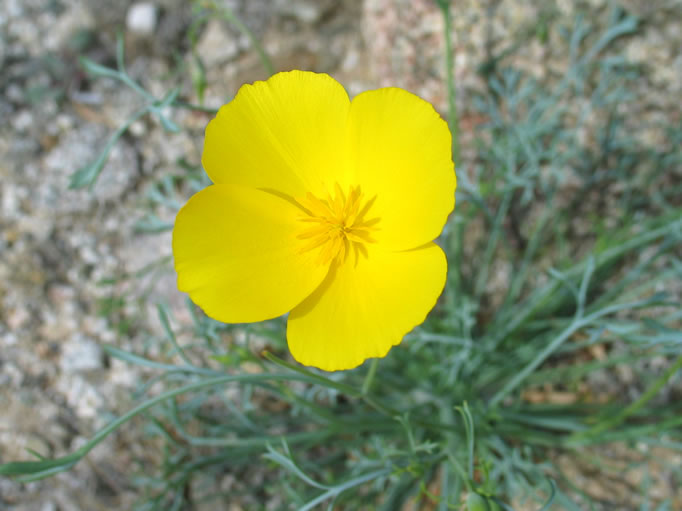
[(336, 225)]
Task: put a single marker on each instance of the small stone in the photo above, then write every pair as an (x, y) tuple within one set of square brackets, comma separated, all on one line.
[(82, 396), (351, 60), (138, 129), (307, 11), (8, 339), (216, 45), (49, 506), (22, 121), (81, 354), (141, 18), (14, 93), (64, 122), (11, 376), (17, 318)]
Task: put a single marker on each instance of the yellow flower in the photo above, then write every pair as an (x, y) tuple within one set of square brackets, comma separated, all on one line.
[(322, 207)]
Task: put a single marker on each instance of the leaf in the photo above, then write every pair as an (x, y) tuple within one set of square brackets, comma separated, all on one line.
[(86, 176), (152, 224), (96, 69)]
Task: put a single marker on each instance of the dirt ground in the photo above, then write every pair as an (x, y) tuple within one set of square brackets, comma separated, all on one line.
[(58, 245)]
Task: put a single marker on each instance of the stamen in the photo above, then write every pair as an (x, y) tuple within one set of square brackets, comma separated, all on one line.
[(336, 224)]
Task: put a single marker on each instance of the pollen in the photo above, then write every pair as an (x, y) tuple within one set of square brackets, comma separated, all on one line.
[(337, 224)]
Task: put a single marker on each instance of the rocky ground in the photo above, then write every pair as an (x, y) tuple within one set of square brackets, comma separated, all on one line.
[(65, 254)]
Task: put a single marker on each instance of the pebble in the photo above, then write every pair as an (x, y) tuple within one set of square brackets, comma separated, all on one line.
[(22, 121), (11, 376), (49, 506), (17, 318), (216, 45), (81, 354), (141, 18), (305, 11)]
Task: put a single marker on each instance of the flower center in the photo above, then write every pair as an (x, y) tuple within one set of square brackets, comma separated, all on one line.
[(336, 225)]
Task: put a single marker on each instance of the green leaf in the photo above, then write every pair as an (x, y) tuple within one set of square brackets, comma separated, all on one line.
[(87, 175), (152, 224), (476, 502), (96, 69)]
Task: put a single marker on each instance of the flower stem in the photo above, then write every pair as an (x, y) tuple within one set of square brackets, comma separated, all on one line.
[(450, 79), (369, 379)]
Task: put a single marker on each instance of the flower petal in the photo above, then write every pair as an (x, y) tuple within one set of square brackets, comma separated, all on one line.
[(237, 255), (401, 153), (365, 306), (284, 134)]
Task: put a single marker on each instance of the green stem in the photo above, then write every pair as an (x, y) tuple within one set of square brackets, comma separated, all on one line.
[(87, 176), (369, 379), (342, 387), (506, 324), (450, 80), (577, 324), (198, 108), (33, 470), (635, 406), (228, 15)]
